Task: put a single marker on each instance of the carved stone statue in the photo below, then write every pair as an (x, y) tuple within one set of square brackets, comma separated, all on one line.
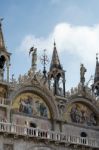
[(34, 57), (82, 74), (61, 107)]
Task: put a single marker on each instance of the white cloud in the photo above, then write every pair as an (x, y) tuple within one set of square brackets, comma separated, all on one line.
[(82, 41), (39, 43)]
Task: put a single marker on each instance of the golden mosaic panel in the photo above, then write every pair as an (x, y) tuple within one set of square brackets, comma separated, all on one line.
[(80, 113), (31, 104)]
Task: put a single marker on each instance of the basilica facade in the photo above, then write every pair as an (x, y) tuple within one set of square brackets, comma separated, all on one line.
[(37, 113)]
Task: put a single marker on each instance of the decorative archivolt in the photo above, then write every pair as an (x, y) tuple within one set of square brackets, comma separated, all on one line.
[(79, 110)]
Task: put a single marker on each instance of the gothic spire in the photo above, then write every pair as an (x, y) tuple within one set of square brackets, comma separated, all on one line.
[(56, 75), (96, 78), (2, 44), (4, 56), (55, 62)]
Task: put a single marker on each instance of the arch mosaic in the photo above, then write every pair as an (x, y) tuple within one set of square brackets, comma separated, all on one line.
[(80, 113), (79, 110), (48, 99), (31, 104)]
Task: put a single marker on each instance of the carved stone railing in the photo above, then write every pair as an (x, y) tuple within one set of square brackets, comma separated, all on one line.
[(53, 136)]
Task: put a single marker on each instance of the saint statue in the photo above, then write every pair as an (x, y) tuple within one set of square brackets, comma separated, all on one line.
[(34, 57), (82, 74)]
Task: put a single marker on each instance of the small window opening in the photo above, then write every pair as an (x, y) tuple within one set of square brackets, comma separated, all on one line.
[(83, 134), (33, 125)]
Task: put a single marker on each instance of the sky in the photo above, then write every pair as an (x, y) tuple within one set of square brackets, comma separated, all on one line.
[(73, 24)]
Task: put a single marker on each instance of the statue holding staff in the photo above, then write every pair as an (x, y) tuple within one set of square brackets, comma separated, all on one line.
[(82, 74), (34, 57)]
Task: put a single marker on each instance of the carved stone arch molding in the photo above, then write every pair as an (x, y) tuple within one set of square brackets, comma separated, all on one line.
[(85, 101), (48, 99)]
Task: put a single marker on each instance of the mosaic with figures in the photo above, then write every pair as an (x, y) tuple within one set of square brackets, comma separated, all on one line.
[(80, 113), (31, 104)]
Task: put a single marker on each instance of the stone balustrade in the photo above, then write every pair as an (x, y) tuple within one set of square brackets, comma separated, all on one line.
[(48, 135)]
